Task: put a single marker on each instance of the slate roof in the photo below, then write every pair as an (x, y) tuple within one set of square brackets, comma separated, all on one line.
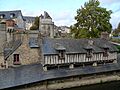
[(29, 19), (102, 43), (8, 13), (34, 73), (76, 45), (46, 15)]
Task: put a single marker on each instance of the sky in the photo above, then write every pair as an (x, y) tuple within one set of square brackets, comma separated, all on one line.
[(62, 11)]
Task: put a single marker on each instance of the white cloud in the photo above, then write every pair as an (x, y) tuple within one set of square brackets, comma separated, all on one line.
[(31, 13), (113, 5), (64, 18), (65, 22), (67, 18), (115, 19), (109, 1), (60, 19)]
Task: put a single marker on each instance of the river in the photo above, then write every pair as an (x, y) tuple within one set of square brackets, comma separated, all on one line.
[(105, 86)]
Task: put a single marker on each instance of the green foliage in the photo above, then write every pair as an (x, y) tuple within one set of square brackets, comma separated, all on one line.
[(118, 47), (91, 20), (36, 24), (117, 40)]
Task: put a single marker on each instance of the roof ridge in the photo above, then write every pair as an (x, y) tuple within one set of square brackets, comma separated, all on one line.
[(11, 11), (29, 16)]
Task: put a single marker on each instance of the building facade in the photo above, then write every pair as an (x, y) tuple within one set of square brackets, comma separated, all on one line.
[(46, 25), (17, 47), (81, 52), (32, 47), (13, 15), (21, 52), (29, 21), (22, 48)]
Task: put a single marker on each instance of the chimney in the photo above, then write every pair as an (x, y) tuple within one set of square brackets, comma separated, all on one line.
[(105, 35), (40, 38), (90, 42)]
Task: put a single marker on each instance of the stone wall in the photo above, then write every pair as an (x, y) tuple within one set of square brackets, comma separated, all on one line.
[(2, 42), (60, 84), (46, 27), (27, 55)]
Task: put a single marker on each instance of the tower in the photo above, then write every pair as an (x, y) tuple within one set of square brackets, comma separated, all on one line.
[(46, 25)]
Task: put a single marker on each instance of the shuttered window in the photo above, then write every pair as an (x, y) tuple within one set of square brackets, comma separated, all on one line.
[(105, 53), (89, 53), (16, 60), (61, 54)]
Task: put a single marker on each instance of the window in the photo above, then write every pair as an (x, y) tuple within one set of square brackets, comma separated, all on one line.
[(2, 16), (89, 53), (61, 54), (12, 15), (16, 60), (48, 28), (105, 53)]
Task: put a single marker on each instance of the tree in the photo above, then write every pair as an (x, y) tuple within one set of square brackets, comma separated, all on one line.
[(91, 20), (35, 26), (116, 31)]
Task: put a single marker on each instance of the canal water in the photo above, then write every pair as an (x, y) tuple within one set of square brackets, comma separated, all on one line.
[(104, 86)]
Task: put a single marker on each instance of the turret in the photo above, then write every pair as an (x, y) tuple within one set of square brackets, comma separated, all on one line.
[(46, 25)]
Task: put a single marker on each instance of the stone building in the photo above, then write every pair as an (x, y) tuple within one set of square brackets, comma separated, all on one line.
[(32, 47), (29, 21), (10, 24), (77, 52), (17, 47), (13, 15), (22, 51), (64, 29), (46, 25)]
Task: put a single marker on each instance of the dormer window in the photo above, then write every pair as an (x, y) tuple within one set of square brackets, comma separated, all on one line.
[(61, 54), (61, 51), (2, 16), (89, 53), (12, 15), (106, 48), (89, 49), (105, 53)]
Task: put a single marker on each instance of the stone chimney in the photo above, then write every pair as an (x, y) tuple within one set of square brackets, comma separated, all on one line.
[(105, 35), (40, 39), (90, 42)]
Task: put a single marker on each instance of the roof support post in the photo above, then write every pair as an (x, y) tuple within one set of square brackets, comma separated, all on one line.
[(95, 64), (115, 61), (45, 68), (71, 66)]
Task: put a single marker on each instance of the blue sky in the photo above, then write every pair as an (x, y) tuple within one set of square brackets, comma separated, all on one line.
[(62, 11)]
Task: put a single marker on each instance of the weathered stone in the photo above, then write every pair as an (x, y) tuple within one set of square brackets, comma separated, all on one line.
[(27, 55)]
